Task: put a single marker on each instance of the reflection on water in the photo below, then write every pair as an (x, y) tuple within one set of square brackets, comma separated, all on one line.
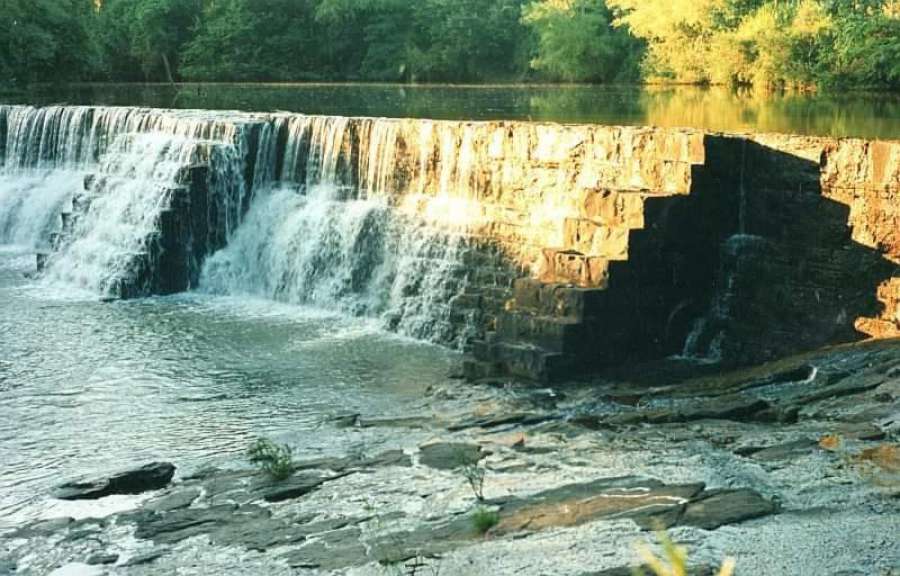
[(89, 388), (869, 115)]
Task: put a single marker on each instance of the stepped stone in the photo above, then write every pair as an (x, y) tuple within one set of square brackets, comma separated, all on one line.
[(597, 240), (570, 266), (804, 233)]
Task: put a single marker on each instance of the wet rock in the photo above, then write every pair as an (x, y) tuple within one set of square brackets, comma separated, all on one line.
[(146, 557), (733, 407), (495, 421), (334, 550), (293, 487), (779, 414), (181, 524), (389, 458), (804, 373), (420, 422), (103, 558), (849, 385), (890, 423), (426, 540), (717, 508), (346, 420), (148, 477), (43, 528), (865, 431), (173, 501), (225, 484), (450, 455)]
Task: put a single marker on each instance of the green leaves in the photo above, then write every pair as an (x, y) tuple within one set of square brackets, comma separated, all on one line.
[(578, 43), (766, 43), (276, 460), (45, 40)]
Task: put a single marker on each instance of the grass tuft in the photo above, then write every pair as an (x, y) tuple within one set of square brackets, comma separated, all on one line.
[(484, 519)]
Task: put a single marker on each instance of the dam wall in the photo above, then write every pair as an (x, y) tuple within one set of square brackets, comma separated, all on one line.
[(542, 250)]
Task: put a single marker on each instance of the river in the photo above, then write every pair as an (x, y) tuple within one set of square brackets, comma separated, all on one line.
[(856, 114)]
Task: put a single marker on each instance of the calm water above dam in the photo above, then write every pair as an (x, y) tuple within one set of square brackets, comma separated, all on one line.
[(859, 114)]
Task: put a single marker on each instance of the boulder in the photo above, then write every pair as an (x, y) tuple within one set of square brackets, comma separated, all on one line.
[(152, 476)]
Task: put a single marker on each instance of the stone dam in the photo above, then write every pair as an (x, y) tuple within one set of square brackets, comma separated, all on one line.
[(541, 250)]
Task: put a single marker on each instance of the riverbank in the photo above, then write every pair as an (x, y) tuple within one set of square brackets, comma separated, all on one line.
[(791, 468)]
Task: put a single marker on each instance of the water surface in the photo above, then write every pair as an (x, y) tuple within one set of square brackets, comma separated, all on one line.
[(88, 387), (859, 114)]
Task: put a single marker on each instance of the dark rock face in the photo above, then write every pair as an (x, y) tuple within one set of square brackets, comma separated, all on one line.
[(99, 559), (148, 477), (777, 244)]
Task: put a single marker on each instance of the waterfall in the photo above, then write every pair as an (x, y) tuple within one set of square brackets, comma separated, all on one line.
[(366, 217), (328, 234), (30, 204), (131, 160), (132, 186)]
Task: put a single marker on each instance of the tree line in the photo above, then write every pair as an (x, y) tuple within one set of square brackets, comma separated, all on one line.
[(763, 43)]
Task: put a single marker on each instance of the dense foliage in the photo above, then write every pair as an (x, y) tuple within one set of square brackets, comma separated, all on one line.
[(768, 43), (764, 43)]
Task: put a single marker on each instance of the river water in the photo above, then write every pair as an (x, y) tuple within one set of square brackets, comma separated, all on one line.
[(856, 114), (88, 387)]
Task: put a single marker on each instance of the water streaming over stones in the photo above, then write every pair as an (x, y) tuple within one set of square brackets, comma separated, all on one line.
[(326, 234), (293, 208)]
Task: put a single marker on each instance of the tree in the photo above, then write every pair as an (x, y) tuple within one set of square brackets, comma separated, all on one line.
[(45, 40), (255, 40), (577, 42), (866, 46), (147, 34)]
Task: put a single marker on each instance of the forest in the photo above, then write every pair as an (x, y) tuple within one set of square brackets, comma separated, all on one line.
[(769, 44)]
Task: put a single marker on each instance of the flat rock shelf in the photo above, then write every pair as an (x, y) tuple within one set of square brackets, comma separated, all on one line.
[(585, 468)]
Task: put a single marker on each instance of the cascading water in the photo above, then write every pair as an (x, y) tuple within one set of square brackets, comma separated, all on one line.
[(135, 158), (327, 235), (30, 204), (131, 188), (308, 210)]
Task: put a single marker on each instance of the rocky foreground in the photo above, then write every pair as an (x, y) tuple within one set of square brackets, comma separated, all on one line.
[(790, 468)]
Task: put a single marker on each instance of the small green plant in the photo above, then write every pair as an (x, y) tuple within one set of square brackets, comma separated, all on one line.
[(276, 460), (674, 561), (484, 519)]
